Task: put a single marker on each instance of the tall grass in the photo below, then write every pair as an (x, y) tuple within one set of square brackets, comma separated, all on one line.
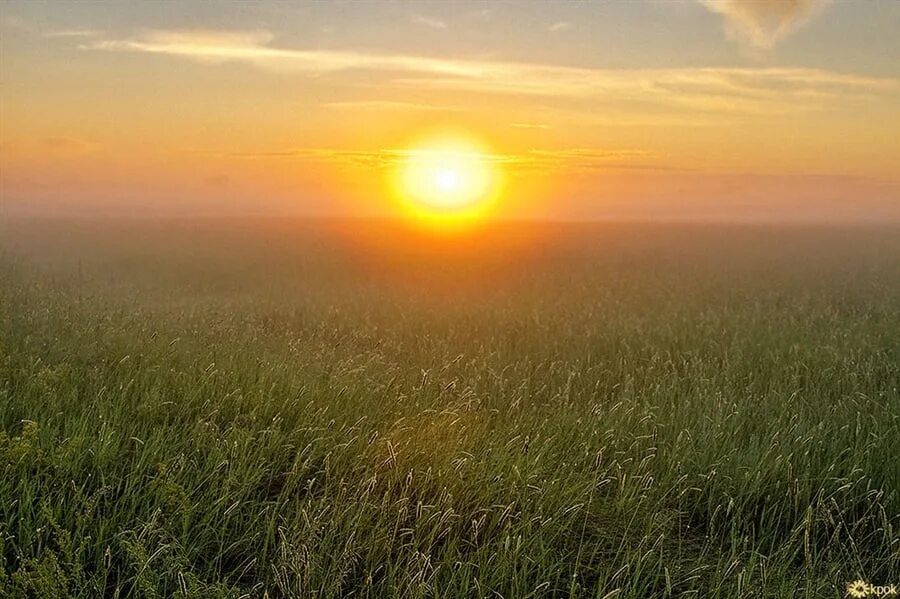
[(301, 410)]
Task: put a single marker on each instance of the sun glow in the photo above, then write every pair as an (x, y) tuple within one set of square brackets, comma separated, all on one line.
[(447, 181)]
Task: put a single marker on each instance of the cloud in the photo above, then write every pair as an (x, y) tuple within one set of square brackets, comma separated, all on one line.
[(31, 28), (388, 105), (569, 159), (364, 158), (559, 26), (708, 90), (745, 90), (73, 33), (761, 24), (218, 180), (252, 47), (429, 22), (66, 145), (582, 159)]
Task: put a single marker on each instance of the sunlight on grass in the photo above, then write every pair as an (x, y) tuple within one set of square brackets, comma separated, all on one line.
[(209, 421)]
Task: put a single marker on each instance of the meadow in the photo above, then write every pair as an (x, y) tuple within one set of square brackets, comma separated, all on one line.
[(289, 408)]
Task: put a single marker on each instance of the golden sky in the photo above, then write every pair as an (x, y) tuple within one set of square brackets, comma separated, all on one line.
[(733, 110)]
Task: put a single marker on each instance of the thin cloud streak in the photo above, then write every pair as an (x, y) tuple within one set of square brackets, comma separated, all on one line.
[(569, 159), (429, 22), (751, 90), (73, 33), (251, 47), (388, 105), (66, 145), (529, 126)]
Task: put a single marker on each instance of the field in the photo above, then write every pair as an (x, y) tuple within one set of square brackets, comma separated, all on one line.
[(352, 409)]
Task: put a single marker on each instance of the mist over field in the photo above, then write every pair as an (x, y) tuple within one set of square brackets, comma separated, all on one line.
[(450, 300), (299, 408)]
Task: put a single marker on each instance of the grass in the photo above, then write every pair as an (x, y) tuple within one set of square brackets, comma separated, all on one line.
[(297, 409)]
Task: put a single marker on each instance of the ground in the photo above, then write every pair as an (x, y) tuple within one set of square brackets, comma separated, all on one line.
[(330, 409)]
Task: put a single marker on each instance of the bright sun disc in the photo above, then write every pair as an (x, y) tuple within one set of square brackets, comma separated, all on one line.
[(447, 180)]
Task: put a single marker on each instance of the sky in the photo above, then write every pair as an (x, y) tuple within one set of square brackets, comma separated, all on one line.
[(763, 110)]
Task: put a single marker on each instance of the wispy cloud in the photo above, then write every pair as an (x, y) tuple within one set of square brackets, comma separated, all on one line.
[(761, 24), (252, 47), (218, 180), (559, 26), (66, 145), (17, 24), (429, 22), (752, 90), (388, 105), (73, 33), (568, 159), (583, 159), (721, 90)]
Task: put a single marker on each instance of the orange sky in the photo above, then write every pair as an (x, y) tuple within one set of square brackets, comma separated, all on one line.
[(696, 110)]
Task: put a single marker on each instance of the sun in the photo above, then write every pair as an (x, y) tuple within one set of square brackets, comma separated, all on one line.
[(447, 180)]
